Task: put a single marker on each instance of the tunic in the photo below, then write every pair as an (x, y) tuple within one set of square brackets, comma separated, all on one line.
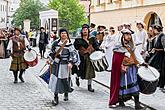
[(18, 45), (158, 58), (60, 81)]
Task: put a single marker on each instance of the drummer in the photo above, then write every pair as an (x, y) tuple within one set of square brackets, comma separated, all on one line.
[(85, 46), (124, 77), (17, 45)]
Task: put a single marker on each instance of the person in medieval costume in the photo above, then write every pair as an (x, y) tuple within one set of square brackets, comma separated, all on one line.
[(150, 44), (62, 62), (85, 46), (2, 44), (107, 45), (124, 72), (43, 41), (17, 45), (141, 36), (158, 58)]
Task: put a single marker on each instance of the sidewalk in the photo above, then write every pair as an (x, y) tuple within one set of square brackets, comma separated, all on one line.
[(156, 100)]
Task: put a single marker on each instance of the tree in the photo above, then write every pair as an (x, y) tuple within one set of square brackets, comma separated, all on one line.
[(29, 9), (71, 13)]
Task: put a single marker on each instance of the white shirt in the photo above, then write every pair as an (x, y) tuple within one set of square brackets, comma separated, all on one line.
[(141, 36)]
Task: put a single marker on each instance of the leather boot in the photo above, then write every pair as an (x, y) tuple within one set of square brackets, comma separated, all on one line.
[(137, 103), (90, 88), (15, 73), (77, 81), (121, 102), (20, 76), (65, 96), (55, 101)]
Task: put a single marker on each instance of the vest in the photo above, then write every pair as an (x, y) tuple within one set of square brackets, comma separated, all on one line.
[(18, 46)]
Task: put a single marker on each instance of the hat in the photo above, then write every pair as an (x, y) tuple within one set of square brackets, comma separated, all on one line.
[(42, 28), (126, 31), (18, 29), (93, 25), (127, 24), (156, 26), (85, 26), (101, 26), (140, 22), (63, 30)]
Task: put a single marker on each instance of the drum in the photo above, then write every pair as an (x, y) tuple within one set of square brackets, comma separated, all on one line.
[(31, 58), (148, 79), (45, 74), (99, 61)]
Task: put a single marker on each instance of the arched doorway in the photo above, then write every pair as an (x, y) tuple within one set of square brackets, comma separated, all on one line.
[(152, 18)]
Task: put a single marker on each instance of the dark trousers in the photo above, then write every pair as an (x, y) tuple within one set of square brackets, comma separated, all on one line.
[(42, 48), (15, 73)]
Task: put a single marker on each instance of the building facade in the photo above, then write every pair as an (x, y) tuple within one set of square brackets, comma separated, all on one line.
[(3, 16), (86, 4), (7, 9), (116, 12)]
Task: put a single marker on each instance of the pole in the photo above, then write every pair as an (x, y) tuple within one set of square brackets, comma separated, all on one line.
[(89, 16), (7, 6)]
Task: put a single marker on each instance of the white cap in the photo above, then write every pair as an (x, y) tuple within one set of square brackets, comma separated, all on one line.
[(140, 22), (123, 31)]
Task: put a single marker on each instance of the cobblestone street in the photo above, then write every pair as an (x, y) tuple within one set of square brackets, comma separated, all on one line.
[(34, 95)]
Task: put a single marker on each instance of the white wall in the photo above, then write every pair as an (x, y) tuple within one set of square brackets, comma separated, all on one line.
[(2, 14)]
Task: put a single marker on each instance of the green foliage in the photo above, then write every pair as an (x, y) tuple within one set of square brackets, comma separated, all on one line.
[(71, 13), (29, 9)]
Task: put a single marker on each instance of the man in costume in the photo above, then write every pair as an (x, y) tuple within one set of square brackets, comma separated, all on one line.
[(124, 72), (62, 56), (85, 46), (158, 58), (93, 31), (43, 41), (100, 34), (17, 45)]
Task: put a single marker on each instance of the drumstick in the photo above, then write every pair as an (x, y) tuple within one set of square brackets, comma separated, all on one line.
[(125, 80), (43, 67), (152, 72)]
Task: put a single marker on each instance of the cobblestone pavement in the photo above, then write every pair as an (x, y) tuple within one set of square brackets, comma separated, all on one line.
[(34, 94)]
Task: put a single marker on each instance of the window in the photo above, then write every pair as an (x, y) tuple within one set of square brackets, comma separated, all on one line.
[(3, 8), (98, 2), (109, 1)]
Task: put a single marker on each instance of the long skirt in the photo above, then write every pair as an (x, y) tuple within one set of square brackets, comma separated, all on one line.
[(128, 84), (60, 82)]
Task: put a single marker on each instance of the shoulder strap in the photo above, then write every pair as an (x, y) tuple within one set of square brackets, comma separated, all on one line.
[(133, 55), (59, 50)]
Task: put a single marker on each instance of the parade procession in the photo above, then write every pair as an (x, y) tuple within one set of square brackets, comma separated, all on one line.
[(82, 55)]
